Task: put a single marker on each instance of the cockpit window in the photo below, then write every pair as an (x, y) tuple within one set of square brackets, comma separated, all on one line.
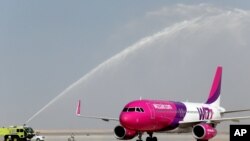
[(142, 110), (138, 110), (133, 109), (125, 110)]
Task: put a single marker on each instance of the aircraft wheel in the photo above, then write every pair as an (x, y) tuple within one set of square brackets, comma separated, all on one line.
[(154, 139), (151, 139), (148, 139)]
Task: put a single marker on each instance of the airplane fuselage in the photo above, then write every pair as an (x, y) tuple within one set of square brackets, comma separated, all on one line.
[(159, 115)]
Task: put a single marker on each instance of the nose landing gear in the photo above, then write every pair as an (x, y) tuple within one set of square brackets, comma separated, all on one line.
[(151, 138), (139, 136)]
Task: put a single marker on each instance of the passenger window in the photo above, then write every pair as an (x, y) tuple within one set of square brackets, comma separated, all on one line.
[(17, 130), (21, 130)]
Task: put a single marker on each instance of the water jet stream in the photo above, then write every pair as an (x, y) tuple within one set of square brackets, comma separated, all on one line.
[(120, 56)]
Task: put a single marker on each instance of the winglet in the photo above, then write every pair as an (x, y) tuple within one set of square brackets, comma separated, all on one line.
[(214, 96), (78, 108)]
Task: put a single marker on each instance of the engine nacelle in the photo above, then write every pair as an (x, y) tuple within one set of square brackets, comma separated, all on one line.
[(123, 133), (204, 131)]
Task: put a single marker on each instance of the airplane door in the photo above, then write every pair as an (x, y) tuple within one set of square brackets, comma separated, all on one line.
[(151, 110)]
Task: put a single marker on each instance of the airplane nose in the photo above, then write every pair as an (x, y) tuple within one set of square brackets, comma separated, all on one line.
[(126, 120)]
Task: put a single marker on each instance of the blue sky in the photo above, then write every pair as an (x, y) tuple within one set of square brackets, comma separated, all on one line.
[(45, 46)]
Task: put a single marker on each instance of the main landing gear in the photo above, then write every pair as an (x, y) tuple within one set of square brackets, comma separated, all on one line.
[(150, 138)]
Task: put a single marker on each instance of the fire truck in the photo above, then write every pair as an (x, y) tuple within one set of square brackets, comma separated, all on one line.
[(16, 133)]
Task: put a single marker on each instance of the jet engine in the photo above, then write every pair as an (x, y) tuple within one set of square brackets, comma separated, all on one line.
[(123, 133), (204, 131)]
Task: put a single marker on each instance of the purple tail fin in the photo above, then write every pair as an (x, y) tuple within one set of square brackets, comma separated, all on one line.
[(214, 96)]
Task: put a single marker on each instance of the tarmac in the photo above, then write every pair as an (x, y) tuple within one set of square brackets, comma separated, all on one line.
[(108, 136)]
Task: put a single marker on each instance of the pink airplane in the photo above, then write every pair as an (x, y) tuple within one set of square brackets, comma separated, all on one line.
[(149, 116)]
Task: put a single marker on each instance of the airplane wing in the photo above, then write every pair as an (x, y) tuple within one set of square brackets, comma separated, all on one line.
[(102, 118), (78, 113), (235, 111), (234, 119)]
